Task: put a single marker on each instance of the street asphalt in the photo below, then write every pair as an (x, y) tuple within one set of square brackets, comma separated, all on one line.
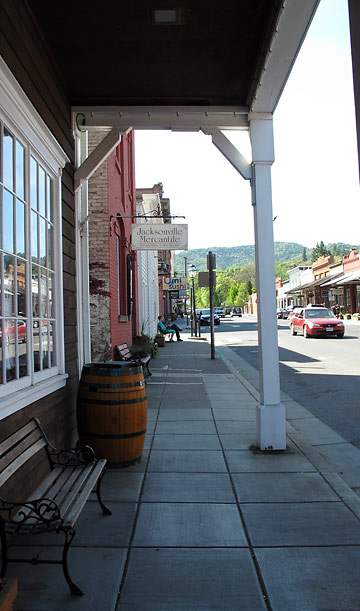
[(206, 521)]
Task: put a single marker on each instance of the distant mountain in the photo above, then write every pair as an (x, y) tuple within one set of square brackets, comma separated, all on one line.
[(237, 256)]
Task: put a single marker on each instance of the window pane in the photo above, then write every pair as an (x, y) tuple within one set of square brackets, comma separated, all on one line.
[(9, 285), (33, 183), (42, 241), (20, 189), (49, 244), (9, 341), (34, 236), (20, 228), (22, 331), (21, 288), (36, 346), (49, 213), (35, 292), (52, 344), (1, 284), (43, 295), (42, 207), (51, 297), (8, 160), (1, 353), (8, 221), (44, 345)]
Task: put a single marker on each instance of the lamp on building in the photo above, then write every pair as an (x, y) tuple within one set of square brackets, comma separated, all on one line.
[(192, 274)]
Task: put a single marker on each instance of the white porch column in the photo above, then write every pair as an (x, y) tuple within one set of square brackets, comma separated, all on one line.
[(270, 421)]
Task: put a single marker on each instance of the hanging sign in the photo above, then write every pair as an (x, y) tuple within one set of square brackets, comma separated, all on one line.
[(159, 237), (175, 284)]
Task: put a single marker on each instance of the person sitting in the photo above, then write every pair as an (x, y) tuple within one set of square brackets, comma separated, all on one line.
[(175, 328), (163, 328)]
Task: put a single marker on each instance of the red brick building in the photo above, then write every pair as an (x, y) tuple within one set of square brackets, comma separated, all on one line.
[(112, 264)]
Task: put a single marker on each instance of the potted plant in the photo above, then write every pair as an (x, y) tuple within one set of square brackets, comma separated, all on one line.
[(159, 340)]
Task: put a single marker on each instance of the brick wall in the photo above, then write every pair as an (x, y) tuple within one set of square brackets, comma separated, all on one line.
[(99, 258), (111, 195)]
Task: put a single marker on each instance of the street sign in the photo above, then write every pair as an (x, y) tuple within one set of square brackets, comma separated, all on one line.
[(203, 278)]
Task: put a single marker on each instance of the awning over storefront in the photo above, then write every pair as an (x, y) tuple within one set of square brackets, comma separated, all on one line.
[(352, 278)]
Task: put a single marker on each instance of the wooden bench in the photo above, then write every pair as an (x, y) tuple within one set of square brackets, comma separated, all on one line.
[(57, 503), (123, 353)]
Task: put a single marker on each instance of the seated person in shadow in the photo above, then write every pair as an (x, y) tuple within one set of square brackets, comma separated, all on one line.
[(165, 328), (174, 327)]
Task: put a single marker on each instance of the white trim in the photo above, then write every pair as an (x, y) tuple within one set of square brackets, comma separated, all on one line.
[(188, 118), (20, 116), (21, 398), (288, 35), (97, 156), (18, 108), (82, 258)]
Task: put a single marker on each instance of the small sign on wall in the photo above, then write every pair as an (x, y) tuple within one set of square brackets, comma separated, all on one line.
[(179, 283), (159, 236)]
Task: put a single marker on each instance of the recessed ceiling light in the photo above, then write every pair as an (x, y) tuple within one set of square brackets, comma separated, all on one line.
[(168, 16)]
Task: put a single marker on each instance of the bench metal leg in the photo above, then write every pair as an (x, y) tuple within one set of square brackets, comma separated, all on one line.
[(69, 535), (147, 367), (4, 557), (105, 509)]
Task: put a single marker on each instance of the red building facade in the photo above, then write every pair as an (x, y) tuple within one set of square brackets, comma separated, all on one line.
[(112, 263)]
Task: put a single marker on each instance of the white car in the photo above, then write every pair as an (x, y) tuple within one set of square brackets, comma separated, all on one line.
[(220, 312)]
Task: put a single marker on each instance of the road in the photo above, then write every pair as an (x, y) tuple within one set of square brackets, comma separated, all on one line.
[(322, 374)]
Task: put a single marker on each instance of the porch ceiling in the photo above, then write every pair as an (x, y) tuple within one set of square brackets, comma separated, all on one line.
[(113, 53)]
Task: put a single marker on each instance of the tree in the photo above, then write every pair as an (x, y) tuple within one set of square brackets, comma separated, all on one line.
[(249, 287), (233, 293), (304, 254), (242, 295), (320, 250)]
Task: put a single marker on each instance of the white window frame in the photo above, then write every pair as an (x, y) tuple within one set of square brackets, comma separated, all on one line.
[(20, 116)]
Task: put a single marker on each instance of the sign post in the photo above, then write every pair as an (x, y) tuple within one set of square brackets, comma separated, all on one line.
[(211, 264)]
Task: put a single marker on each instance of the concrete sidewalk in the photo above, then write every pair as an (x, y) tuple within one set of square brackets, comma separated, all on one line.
[(205, 521)]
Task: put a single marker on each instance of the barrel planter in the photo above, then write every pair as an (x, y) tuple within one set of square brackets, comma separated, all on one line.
[(112, 410)]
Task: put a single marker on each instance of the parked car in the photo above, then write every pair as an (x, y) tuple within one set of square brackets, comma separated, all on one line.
[(10, 335), (281, 313), (204, 317), (294, 310), (313, 321), (227, 311), (236, 312), (220, 312)]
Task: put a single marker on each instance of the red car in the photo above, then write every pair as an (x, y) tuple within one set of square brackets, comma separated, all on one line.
[(313, 321), (10, 332)]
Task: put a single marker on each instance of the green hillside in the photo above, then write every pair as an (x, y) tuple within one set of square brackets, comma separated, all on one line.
[(237, 256)]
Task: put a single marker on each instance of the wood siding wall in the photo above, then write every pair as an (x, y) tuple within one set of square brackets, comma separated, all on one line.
[(23, 49)]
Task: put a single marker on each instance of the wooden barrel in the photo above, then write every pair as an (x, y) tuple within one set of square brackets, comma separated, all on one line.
[(112, 410)]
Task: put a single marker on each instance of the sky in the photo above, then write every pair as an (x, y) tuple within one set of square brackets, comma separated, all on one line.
[(315, 178)]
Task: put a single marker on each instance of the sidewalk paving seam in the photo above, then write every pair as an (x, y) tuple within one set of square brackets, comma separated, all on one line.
[(345, 493)]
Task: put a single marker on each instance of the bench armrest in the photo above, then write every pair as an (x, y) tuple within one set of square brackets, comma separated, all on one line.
[(80, 455), (29, 515)]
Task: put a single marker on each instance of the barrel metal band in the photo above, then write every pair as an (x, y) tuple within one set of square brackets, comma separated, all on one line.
[(118, 402), (94, 388), (118, 372), (104, 436)]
